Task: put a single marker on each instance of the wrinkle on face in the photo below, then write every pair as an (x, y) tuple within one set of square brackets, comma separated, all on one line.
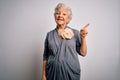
[(62, 16)]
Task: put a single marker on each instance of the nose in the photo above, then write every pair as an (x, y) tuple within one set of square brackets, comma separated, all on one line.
[(60, 14)]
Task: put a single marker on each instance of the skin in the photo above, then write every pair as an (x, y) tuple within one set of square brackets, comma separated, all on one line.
[(83, 34), (62, 17)]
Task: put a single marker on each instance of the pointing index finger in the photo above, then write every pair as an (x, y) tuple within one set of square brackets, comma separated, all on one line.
[(86, 25)]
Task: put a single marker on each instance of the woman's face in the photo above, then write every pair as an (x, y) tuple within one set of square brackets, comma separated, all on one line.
[(62, 16)]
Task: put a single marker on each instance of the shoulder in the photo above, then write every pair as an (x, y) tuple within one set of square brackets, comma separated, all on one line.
[(50, 33), (76, 35), (75, 31)]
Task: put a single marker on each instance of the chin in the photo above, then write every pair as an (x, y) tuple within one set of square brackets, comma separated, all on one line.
[(60, 23)]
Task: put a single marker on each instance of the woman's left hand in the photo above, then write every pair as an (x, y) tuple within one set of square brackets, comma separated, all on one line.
[(83, 31)]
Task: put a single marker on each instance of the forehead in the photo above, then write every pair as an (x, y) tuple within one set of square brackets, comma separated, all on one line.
[(62, 10)]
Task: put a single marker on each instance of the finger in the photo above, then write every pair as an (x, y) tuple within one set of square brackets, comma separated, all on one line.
[(86, 25), (83, 36), (84, 33), (84, 30)]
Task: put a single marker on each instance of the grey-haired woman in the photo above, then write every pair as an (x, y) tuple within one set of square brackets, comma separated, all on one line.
[(60, 59)]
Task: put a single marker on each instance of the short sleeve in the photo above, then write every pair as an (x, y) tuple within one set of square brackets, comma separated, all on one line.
[(46, 49), (78, 42)]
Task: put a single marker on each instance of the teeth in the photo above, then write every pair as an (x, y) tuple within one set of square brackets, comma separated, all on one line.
[(60, 19)]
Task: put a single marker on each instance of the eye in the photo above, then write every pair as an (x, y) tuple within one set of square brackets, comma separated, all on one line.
[(57, 13), (64, 14)]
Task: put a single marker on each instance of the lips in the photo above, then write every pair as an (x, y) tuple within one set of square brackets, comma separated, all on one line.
[(60, 19)]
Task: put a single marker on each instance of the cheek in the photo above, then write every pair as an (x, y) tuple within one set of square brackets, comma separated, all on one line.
[(55, 17), (67, 19)]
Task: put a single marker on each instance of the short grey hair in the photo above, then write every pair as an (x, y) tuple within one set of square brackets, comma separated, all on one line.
[(62, 5)]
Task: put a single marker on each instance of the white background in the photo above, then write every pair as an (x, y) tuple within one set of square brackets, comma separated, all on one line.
[(25, 23)]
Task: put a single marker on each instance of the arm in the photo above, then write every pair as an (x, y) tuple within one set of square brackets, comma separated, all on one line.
[(83, 48), (44, 70), (83, 34), (45, 57)]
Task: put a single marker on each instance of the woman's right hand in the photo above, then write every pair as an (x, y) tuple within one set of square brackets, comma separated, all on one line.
[(43, 77), (44, 70)]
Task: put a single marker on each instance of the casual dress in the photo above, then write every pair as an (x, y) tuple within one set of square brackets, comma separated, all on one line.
[(62, 56)]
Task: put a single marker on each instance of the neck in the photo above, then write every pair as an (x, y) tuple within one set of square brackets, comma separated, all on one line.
[(61, 27)]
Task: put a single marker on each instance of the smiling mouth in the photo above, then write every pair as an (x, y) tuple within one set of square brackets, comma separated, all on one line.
[(59, 19)]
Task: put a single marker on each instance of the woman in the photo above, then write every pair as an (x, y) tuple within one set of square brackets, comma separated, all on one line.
[(60, 59)]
